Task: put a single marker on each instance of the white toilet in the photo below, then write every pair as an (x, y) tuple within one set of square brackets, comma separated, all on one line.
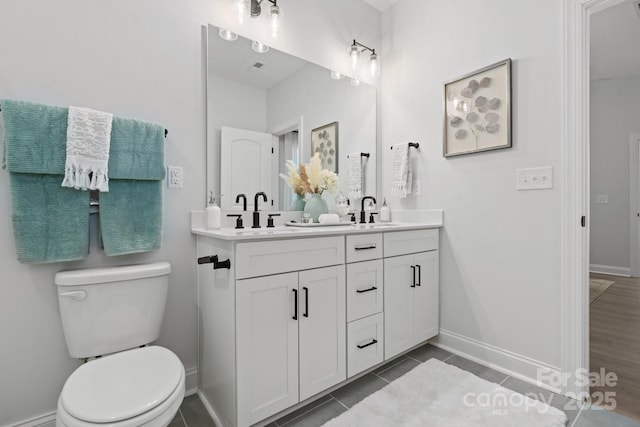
[(112, 312)]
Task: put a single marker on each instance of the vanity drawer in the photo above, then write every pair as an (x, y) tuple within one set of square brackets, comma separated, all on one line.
[(363, 247), (280, 256), (409, 242), (364, 289), (365, 344)]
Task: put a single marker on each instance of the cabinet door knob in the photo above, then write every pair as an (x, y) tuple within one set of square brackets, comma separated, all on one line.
[(295, 304)]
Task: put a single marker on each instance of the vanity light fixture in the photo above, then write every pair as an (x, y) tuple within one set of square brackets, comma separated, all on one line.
[(259, 47), (254, 9), (227, 35), (354, 52)]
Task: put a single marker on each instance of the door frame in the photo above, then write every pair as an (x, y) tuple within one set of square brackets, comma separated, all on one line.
[(575, 194), (634, 204)]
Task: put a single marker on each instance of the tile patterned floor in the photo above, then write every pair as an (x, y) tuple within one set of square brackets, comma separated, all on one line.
[(193, 414)]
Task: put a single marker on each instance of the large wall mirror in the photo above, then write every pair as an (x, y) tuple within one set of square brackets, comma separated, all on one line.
[(262, 109)]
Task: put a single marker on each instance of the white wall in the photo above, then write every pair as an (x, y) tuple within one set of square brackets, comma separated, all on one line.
[(500, 260), (141, 59), (326, 101), (615, 108)]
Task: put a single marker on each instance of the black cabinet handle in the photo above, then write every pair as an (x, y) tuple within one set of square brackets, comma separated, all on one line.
[(208, 259), (419, 275), (295, 304), (373, 288), (374, 341), (363, 248), (413, 269), (306, 301)]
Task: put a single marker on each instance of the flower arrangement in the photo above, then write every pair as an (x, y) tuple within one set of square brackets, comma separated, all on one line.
[(310, 178)]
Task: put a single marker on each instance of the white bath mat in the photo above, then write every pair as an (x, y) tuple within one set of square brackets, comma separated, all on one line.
[(437, 394)]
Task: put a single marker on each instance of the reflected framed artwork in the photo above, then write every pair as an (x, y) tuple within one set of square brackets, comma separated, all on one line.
[(477, 111), (324, 140)]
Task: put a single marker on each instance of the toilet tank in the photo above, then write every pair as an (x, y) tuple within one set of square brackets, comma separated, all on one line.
[(105, 310)]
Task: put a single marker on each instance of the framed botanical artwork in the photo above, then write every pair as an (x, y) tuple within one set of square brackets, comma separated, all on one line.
[(477, 111), (324, 140)]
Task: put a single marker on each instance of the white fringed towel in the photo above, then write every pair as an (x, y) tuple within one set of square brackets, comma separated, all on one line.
[(88, 142), (354, 180), (401, 167)]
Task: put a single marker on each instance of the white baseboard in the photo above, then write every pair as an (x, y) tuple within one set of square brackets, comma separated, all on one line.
[(49, 420), (510, 363), (610, 269), (191, 381), (46, 420), (210, 410)]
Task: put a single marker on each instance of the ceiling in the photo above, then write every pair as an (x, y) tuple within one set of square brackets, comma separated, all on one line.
[(381, 5), (615, 42)]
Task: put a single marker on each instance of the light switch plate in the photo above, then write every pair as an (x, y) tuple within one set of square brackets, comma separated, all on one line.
[(534, 178), (602, 199)]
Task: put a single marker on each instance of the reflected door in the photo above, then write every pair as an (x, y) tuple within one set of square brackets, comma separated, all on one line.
[(246, 166)]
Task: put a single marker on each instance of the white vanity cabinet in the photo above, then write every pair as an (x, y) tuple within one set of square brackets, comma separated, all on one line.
[(411, 296), (290, 339), (293, 317)]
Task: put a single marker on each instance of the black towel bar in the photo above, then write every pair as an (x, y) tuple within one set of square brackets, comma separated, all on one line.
[(415, 145)]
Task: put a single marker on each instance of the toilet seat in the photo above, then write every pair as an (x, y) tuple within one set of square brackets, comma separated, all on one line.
[(144, 386)]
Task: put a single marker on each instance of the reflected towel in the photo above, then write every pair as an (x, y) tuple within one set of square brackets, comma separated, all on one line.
[(402, 176), (354, 177)]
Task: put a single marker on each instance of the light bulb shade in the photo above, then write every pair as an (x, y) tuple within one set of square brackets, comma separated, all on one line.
[(336, 75), (259, 47), (355, 82), (275, 18), (242, 10), (354, 53), (374, 65), (227, 35)]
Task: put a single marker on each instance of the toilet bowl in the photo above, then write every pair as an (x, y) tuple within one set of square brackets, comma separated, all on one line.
[(110, 316), (141, 387)]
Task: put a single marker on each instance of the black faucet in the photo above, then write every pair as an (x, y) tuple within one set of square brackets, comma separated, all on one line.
[(244, 201), (363, 217), (256, 214)]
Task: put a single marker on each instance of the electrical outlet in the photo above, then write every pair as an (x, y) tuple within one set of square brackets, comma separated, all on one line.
[(602, 199), (174, 177)]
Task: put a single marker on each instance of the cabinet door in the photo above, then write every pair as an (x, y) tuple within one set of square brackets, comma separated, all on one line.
[(267, 346), (322, 329), (398, 305), (426, 303)]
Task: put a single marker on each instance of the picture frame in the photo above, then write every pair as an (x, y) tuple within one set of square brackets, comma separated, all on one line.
[(324, 140), (477, 111)]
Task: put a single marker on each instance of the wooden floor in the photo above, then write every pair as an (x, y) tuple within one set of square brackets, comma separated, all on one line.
[(615, 342)]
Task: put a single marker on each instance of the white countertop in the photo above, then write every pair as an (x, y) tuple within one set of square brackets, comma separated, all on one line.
[(432, 219)]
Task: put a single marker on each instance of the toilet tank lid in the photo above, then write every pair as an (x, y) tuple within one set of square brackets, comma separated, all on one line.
[(90, 276)]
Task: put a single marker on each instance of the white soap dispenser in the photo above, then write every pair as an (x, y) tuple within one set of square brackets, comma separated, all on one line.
[(213, 213), (385, 212)]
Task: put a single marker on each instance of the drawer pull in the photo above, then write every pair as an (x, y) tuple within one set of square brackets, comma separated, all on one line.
[(295, 304), (373, 288), (363, 248), (374, 341)]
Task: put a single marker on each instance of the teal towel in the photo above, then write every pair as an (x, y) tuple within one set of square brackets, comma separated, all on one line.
[(50, 223), (137, 150), (35, 137), (131, 217)]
